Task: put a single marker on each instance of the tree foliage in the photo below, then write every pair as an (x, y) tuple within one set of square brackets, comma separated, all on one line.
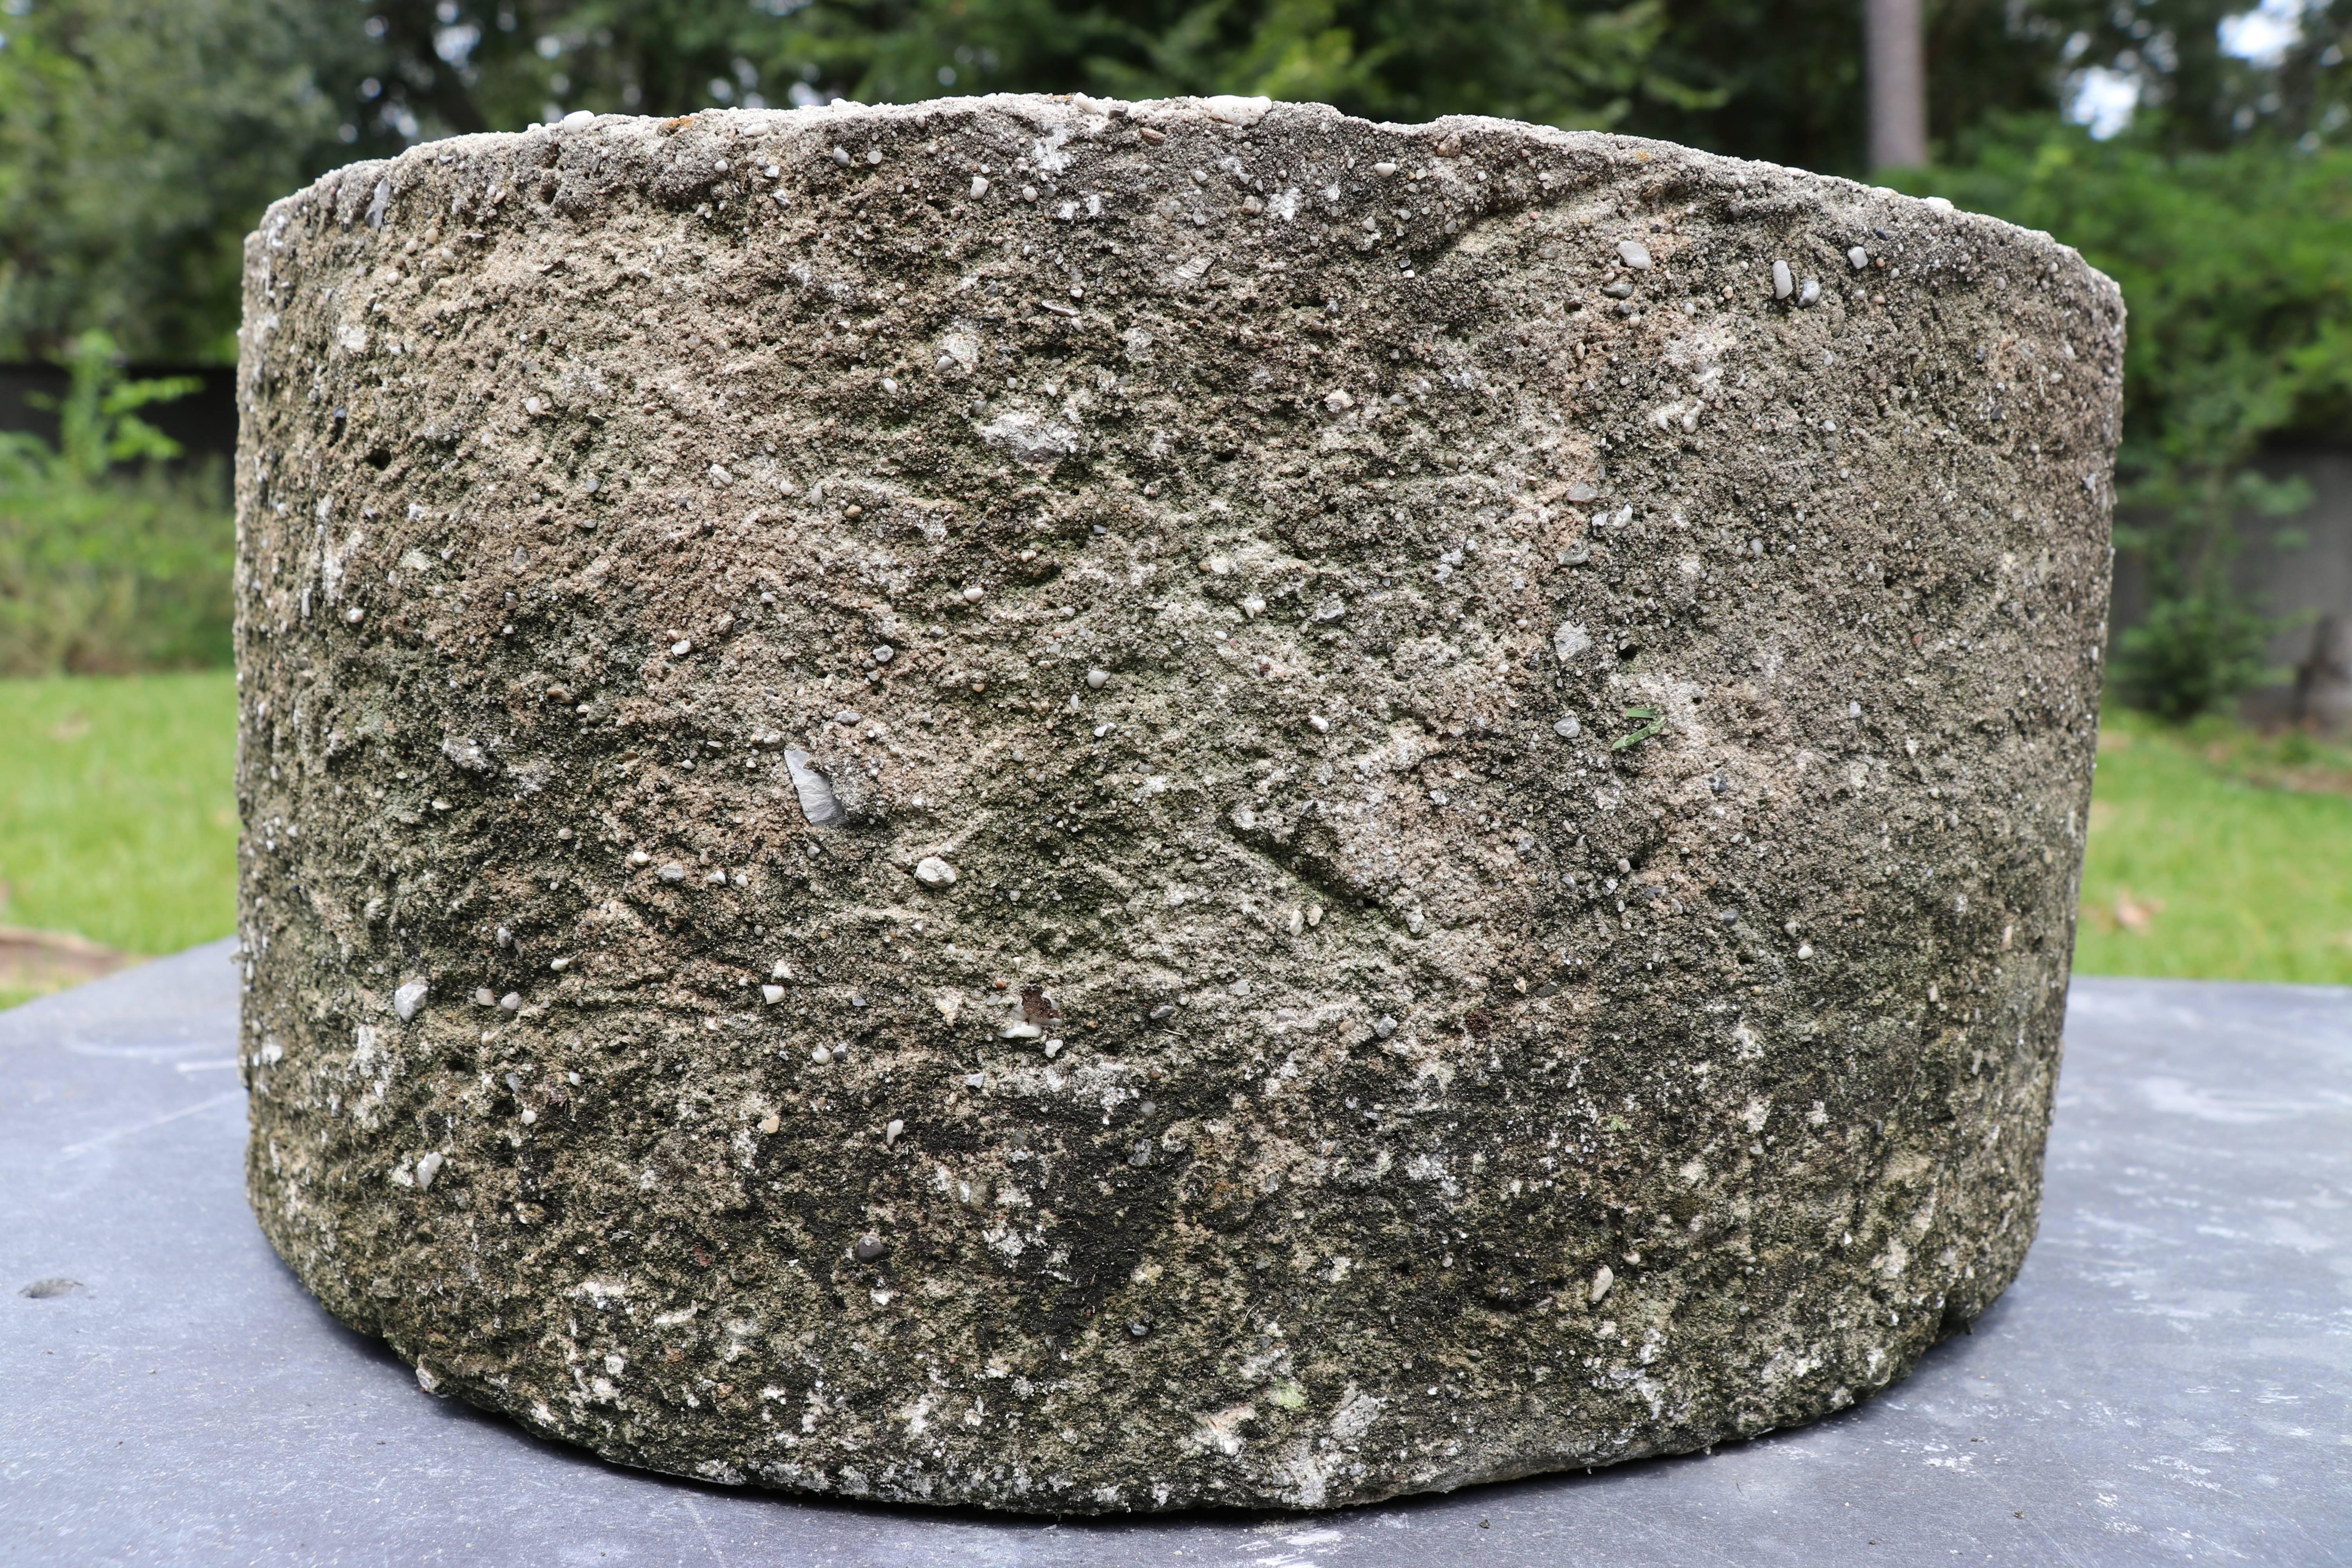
[(138, 143)]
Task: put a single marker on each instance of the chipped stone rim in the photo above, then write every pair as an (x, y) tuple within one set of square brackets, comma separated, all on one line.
[(374, 200)]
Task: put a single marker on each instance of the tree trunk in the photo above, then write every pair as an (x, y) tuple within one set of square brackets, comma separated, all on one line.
[(1898, 83), (2323, 681)]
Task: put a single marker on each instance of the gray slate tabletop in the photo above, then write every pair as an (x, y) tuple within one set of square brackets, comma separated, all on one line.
[(2169, 1380)]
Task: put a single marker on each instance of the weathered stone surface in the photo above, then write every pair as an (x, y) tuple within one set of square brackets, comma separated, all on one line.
[(1096, 807)]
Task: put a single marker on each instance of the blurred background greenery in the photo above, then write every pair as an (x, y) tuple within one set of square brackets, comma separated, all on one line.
[(2198, 151)]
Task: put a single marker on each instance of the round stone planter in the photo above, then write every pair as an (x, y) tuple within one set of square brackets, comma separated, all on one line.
[(1085, 806)]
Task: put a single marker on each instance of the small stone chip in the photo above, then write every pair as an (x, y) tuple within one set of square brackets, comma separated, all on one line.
[(1602, 1278), (1783, 284), (428, 1165), (869, 1247), (408, 998), (935, 873), (1633, 254)]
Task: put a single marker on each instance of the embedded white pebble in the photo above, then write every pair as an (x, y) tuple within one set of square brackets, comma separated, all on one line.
[(771, 994), (1602, 1278), (486, 997), (972, 595), (1383, 1027), (428, 1165), (1097, 679), (1783, 283), (408, 998), (354, 616), (680, 648), (819, 805), (717, 878), (672, 872), (979, 186), (1633, 254), (512, 1002), (821, 1054), (1566, 727), (884, 653), (782, 972), (934, 873), (1810, 294), (636, 858), (891, 1133), (1857, 259), (1322, 725)]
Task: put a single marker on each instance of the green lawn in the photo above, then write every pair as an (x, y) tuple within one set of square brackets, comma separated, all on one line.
[(2217, 854), (116, 817), (2214, 852)]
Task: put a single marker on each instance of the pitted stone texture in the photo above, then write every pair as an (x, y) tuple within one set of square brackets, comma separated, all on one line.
[(1513, 813)]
